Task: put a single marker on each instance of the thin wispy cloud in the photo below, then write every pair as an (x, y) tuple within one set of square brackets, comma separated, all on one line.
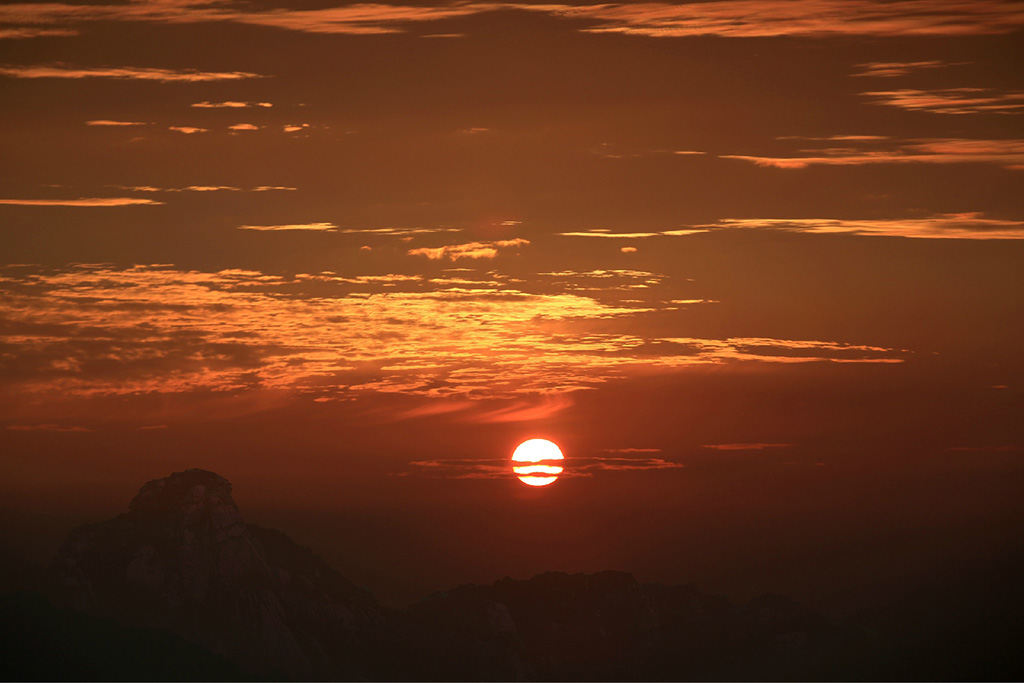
[(499, 468), (187, 130), (602, 232), (972, 226), (315, 227), (204, 188), (1007, 153), (894, 69), (231, 105), (82, 201), (728, 18), (107, 122), (244, 126), (952, 100), (398, 232), (123, 73), (746, 446), (811, 18), (47, 427), (22, 32), (355, 19), (631, 450), (469, 250)]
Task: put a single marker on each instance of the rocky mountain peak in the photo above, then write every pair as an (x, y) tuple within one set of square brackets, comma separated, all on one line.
[(183, 560), (184, 492)]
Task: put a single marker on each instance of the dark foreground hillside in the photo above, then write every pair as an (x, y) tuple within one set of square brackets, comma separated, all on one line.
[(180, 588)]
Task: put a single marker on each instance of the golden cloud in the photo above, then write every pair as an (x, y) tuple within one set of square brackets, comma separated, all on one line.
[(952, 100), (470, 250), (317, 227), (946, 226), (1004, 153), (122, 73), (83, 201), (100, 330)]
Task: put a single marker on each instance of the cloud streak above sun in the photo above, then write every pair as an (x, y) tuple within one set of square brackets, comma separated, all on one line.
[(98, 330)]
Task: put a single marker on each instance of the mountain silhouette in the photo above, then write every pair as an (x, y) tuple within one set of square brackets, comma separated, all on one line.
[(183, 560), (181, 588)]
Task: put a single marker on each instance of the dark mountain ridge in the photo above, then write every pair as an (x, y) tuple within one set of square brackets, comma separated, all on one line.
[(181, 575)]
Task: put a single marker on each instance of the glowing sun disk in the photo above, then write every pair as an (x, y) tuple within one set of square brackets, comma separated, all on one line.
[(540, 457)]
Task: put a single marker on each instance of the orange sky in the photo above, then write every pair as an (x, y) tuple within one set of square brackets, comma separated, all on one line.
[(756, 266)]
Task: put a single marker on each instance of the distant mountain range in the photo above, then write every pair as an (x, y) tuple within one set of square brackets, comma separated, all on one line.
[(181, 588)]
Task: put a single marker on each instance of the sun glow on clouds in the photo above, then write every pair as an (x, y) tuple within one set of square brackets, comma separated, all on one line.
[(497, 468), (99, 330)]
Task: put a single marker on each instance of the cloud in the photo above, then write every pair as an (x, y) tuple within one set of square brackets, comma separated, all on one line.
[(86, 201), (944, 226), (106, 122), (1004, 153), (230, 105), (631, 450), (203, 188), (48, 428), (833, 138), (317, 227), (952, 100), (471, 250), (398, 232), (243, 126), (123, 73), (522, 411), (601, 232), (811, 18), (893, 69), (628, 250), (729, 18), (29, 32), (500, 468), (98, 330), (187, 130), (355, 19), (745, 446)]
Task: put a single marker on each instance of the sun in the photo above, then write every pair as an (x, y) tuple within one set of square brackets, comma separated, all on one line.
[(541, 462)]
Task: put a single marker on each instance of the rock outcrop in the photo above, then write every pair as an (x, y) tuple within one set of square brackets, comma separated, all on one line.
[(183, 560)]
